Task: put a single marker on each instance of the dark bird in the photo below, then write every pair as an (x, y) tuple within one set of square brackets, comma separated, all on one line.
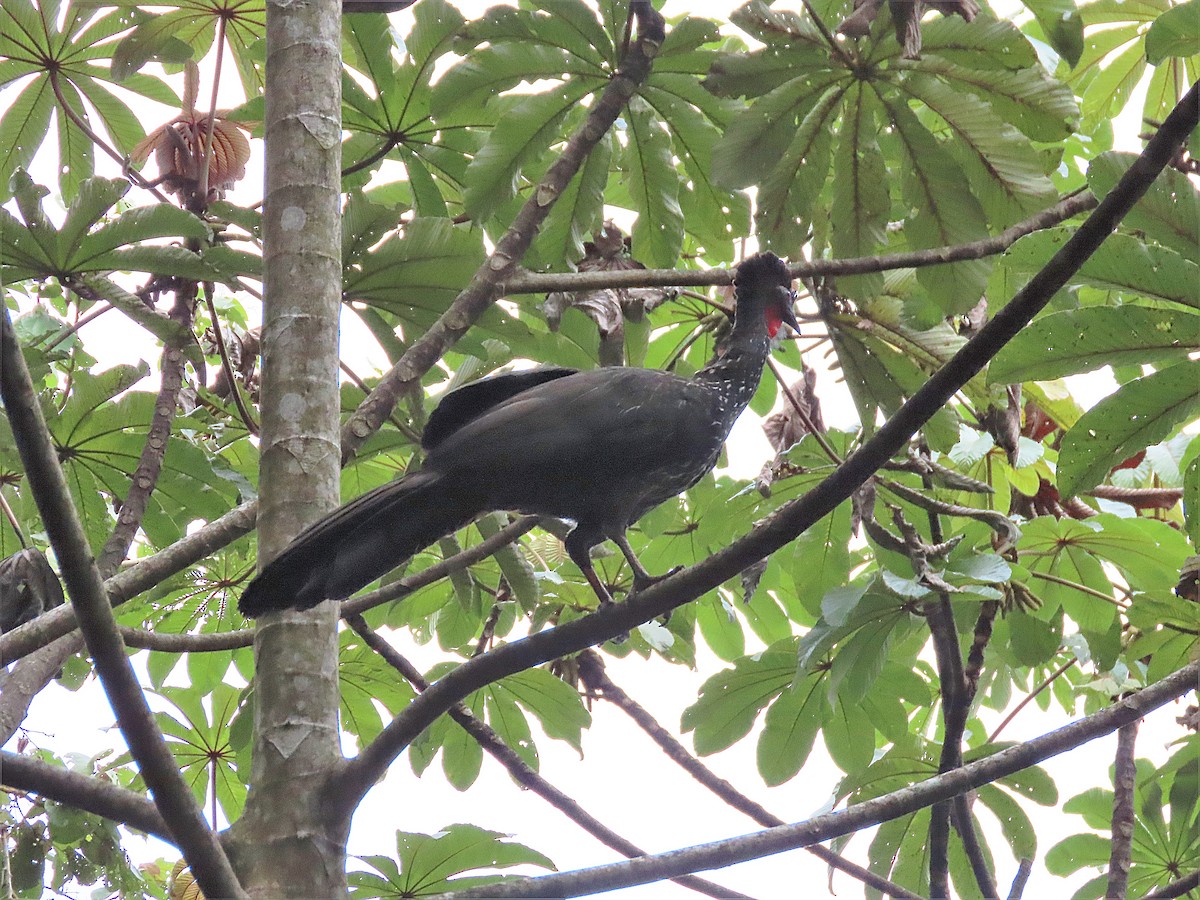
[(600, 448)]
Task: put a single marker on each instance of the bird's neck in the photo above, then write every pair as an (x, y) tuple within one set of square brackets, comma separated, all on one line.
[(736, 373)]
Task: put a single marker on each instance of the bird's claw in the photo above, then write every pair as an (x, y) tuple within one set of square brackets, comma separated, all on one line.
[(641, 582)]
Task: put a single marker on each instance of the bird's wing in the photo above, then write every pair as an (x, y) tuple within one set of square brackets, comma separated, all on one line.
[(469, 402), (607, 421)]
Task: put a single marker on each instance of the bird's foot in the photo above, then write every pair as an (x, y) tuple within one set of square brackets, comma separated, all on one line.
[(645, 580)]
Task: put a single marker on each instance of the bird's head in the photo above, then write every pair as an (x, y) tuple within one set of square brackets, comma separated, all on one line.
[(764, 286)]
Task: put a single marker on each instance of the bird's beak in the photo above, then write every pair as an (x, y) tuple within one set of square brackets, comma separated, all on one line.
[(787, 313)]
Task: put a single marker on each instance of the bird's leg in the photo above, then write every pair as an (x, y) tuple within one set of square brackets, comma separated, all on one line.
[(579, 545), (641, 578)]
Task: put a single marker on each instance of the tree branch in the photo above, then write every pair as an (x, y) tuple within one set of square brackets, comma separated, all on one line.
[(489, 282), (145, 476), (863, 815), (521, 772), (791, 519), (540, 283), (1176, 888), (28, 677), (94, 795), (141, 576), (1124, 784), (96, 621), (591, 670)]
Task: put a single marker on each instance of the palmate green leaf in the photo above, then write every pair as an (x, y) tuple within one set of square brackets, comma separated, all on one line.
[(23, 127), (1062, 26), (95, 198), (367, 45), (1112, 83), (29, 197), (462, 757), (154, 39), (761, 71), (142, 223), (194, 23), (1082, 340), (524, 131), (649, 169), (35, 44), (1174, 33), (512, 727), (788, 195), (574, 26), (423, 268), (985, 43), (1004, 171), (773, 26), (1041, 107), (753, 144), (1141, 413), (861, 203), (365, 679), (731, 700), (199, 737), (557, 705), (489, 72), (820, 562), (883, 368), (1169, 213), (1125, 264), (947, 211), (21, 256), (108, 444), (790, 729), (714, 215), (435, 863), (576, 214)]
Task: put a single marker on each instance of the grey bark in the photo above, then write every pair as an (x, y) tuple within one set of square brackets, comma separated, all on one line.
[(284, 846)]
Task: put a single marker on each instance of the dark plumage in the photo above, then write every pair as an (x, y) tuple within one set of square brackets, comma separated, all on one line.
[(600, 448)]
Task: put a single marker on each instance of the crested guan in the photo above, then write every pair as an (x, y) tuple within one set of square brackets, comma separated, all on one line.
[(600, 448)]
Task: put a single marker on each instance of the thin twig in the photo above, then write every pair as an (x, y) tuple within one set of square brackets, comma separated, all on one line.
[(538, 283), (227, 366), (86, 318), (1049, 680), (802, 413), (1024, 870), (12, 519), (1075, 585)]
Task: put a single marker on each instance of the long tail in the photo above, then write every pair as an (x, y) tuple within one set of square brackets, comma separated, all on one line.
[(358, 543)]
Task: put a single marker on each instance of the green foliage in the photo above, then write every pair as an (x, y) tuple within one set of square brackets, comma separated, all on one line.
[(1166, 827), (427, 864)]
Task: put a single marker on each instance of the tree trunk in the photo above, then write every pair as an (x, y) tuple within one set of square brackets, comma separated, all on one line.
[(282, 845)]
